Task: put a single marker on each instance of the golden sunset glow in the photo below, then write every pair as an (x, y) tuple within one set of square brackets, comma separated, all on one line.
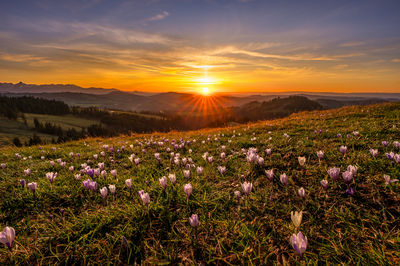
[(242, 46), (205, 91)]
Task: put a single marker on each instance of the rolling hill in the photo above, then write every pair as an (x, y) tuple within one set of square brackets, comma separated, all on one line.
[(134, 199)]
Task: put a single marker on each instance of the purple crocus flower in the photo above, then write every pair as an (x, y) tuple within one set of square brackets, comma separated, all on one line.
[(246, 187), (93, 185), (172, 178), (128, 183), (104, 192), (389, 155), (320, 155), (51, 176), (283, 178), (396, 144), (199, 170), (343, 149), (269, 174), (32, 186), (347, 176), (3, 165), (90, 172), (299, 243), (334, 173), (22, 182), (237, 194), (188, 189), (385, 143), (27, 171), (186, 174), (221, 169), (350, 191), (302, 192), (194, 220), (145, 197), (352, 169), (388, 180), (163, 181), (324, 184), (374, 152), (7, 237), (113, 172), (396, 158), (339, 135)]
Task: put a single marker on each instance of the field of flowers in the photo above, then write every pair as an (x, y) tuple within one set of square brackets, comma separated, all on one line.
[(316, 187)]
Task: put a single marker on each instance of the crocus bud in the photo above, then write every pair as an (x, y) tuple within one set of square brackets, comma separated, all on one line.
[(350, 191), (283, 179), (188, 189), (269, 174), (302, 161), (145, 197), (302, 192), (104, 192), (128, 183), (199, 170), (324, 184), (343, 149), (22, 182), (172, 178), (112, 189), (32, 186), (237, 194), (320, 154), (163, 182), (186, 173), (194, 220), (296, 218)]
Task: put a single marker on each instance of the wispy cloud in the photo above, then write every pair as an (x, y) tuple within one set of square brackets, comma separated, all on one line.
[(160, 16)]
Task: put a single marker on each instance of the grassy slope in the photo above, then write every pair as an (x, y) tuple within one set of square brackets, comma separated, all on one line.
[(340, 229), (65, 121), (9, 129)]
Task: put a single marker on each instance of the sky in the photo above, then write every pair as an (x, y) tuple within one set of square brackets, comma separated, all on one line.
[(190, 45)]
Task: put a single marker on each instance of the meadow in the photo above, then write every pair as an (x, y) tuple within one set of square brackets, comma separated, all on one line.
[(213, 196)]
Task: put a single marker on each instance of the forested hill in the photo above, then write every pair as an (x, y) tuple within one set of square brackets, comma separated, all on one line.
[(276, 108), (105, 123)]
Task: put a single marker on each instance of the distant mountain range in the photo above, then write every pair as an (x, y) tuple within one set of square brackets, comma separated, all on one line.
[(174, 101)]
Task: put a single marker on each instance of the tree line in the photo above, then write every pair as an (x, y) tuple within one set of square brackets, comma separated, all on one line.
[(113, 123)]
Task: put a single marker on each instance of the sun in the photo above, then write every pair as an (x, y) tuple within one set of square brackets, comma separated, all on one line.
[(205, 91)]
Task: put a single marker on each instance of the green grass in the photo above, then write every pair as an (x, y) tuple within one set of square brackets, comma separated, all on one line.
[(65, 121), (363, 229), (9, 129)]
